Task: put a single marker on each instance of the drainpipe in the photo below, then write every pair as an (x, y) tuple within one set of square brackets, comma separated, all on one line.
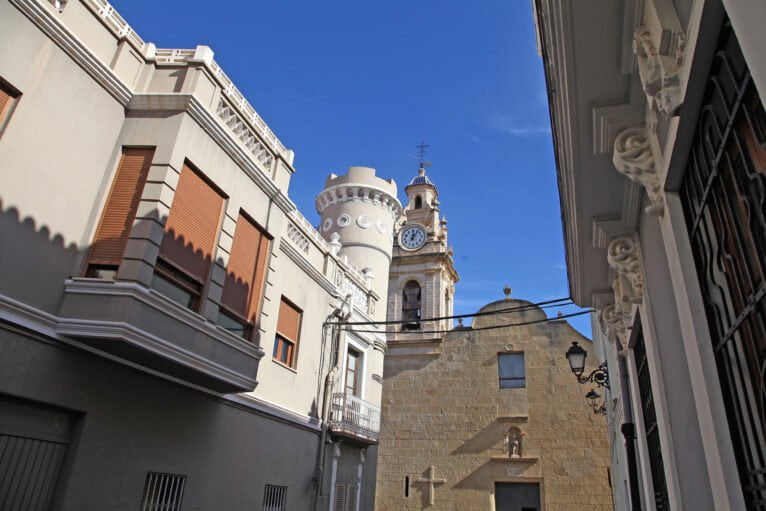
[(341, 314)]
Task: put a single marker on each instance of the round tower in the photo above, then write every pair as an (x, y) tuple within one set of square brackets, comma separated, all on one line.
[(362, 209)]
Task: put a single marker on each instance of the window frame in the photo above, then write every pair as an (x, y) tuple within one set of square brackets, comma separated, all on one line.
[(281, 339), (501, 379), (14, 95)]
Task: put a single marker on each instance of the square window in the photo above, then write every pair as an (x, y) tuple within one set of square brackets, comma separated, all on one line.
[(510, 370)]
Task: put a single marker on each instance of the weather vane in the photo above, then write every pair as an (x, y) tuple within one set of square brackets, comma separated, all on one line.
[(422, 149)]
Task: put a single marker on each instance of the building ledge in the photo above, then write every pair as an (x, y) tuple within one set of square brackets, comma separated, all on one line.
[(144, 327)]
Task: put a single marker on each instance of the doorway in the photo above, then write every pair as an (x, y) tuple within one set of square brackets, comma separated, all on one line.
[(517, 496)]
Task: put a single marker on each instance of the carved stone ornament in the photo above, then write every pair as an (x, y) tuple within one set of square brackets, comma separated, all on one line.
[(614, 324), (622, 255), (634, 159), (658, 73)]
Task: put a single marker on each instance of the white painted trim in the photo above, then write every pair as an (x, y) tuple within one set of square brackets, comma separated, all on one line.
[(307, 267), (642, 451), (703, 373), (657, 379), (75, 48)]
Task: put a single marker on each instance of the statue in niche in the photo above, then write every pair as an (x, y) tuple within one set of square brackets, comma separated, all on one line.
[(514, 442)]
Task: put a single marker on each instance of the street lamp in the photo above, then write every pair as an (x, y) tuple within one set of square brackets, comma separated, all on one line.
[(576, 357), (593, 397)]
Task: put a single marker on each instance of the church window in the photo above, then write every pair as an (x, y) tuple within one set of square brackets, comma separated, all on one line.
[(418, 202), (510, 370), (411, 306)]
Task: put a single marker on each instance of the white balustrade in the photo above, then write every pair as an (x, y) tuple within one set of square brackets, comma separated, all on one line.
[(353, 415)]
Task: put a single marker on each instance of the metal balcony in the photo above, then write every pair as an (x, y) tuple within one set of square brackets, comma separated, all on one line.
[(354, 418)]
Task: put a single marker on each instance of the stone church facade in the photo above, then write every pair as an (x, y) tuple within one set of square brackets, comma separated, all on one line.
[(480, 417)]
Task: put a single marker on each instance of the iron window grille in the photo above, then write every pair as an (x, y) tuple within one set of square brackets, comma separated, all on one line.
[(163, 492), (723, 195), (274, 498)]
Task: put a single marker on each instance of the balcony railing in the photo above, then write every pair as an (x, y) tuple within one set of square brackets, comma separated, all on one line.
[(355, 417)]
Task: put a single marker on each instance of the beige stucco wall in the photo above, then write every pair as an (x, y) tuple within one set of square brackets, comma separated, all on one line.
[(447, 411)]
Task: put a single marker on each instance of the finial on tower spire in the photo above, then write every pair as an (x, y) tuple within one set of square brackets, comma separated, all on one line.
[(422, 148)]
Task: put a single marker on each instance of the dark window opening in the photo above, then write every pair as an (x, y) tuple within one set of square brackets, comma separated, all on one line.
[(418, 202), (510, 370), (411, 305)]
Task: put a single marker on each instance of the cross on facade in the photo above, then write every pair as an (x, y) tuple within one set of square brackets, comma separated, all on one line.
[(430, 480)]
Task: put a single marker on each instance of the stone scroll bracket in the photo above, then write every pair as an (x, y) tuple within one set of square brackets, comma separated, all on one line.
[(633, 158), (628, 287)]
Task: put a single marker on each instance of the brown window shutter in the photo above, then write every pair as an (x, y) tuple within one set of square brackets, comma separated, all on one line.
[(289, 321), (246, 269), (340, 497), (5, 102), (120, 210), (191, 229)]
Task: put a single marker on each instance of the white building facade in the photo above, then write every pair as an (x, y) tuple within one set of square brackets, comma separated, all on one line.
[(658, 128), (166, 313)]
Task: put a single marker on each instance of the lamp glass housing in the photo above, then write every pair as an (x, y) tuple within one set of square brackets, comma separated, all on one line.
[(576, 357)]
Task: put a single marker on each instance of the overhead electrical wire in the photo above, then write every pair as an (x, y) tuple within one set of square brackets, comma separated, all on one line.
[(540, 305), (472, 329)]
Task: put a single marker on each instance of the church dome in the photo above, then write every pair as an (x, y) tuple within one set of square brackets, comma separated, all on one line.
[(421, 179)]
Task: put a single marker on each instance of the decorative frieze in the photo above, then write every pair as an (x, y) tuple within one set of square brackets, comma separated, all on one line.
[(634, 159), (297, 237), (244, 133)]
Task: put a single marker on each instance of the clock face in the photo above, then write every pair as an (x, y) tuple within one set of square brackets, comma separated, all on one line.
[(413, 237)]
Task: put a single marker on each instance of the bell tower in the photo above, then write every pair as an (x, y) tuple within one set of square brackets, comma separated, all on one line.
[(422, 275)]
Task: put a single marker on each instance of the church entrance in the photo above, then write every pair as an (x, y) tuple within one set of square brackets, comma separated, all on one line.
[(517, 497)]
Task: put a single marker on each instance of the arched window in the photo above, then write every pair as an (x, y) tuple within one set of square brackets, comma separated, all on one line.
[(418, 202), (411, 306)]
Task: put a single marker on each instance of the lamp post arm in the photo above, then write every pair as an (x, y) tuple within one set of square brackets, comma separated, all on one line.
[(599, 376)]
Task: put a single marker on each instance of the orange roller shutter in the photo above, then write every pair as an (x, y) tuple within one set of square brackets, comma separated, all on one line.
[(289, 320), (192, 226), (245, 271), (5, 101), (120, 210)]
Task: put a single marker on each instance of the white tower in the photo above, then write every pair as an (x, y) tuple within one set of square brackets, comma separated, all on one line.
[(362, 209), (422, 276)]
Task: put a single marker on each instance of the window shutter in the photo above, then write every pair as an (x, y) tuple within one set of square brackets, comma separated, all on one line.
[(5, 101), (120, 210), (340, 497), (246, 269), (191, 229), (351, 497), (289, 320)]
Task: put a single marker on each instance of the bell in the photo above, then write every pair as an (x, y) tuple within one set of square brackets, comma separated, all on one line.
[(411, 325)]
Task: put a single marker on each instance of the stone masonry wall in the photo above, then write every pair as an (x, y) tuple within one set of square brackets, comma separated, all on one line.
[(447, 412)]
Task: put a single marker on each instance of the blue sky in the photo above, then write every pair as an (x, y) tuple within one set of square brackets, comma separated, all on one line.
[(362, 83)]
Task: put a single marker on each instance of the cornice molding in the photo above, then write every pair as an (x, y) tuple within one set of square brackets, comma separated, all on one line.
[(75, 48)]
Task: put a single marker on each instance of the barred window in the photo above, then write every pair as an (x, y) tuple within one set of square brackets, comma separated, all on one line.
[(163, 492), (274, 498)]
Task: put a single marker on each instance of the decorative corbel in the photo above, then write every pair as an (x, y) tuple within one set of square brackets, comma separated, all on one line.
[(614, 321), (658, 72), (634, 159), (628, 285)]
